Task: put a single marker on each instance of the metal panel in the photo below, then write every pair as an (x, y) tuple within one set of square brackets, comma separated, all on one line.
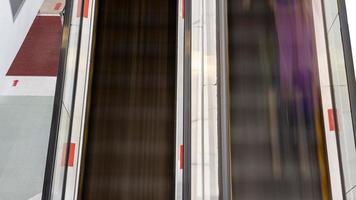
[(58, 100), (179, 148), (223, 101), (187, 101), (16, 6)]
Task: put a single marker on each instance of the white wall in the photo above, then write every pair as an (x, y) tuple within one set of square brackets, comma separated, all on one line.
[(13, 32), (351, 15)]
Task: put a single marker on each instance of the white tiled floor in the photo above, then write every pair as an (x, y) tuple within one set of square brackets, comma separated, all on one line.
[(25, 124)]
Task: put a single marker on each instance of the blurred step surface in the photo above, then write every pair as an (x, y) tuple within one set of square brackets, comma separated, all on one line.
[(131, 132), (254, 86)]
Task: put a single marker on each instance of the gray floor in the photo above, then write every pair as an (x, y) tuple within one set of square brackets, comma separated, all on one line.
[(24, 132)]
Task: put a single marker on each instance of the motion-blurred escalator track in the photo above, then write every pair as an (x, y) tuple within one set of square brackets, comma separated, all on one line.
[(130, 137), (275, 102)]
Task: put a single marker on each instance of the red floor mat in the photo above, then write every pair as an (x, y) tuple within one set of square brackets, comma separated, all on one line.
[(39, 54)]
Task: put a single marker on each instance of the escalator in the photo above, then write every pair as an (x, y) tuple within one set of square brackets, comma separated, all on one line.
[(251, 81), (274, 126), (130, 138)]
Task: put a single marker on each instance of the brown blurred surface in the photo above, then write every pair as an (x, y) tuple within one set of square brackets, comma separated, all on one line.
[(131, 132)]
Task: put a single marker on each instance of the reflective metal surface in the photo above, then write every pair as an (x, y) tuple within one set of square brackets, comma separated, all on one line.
[(340, 37), (57, 155), (204, 135)]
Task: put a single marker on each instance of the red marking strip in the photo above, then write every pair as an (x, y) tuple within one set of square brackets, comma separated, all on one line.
[(57, 6), (71, 154), (183, 8), (331, 120), (181, 157), (14, 83), (86, 8)]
